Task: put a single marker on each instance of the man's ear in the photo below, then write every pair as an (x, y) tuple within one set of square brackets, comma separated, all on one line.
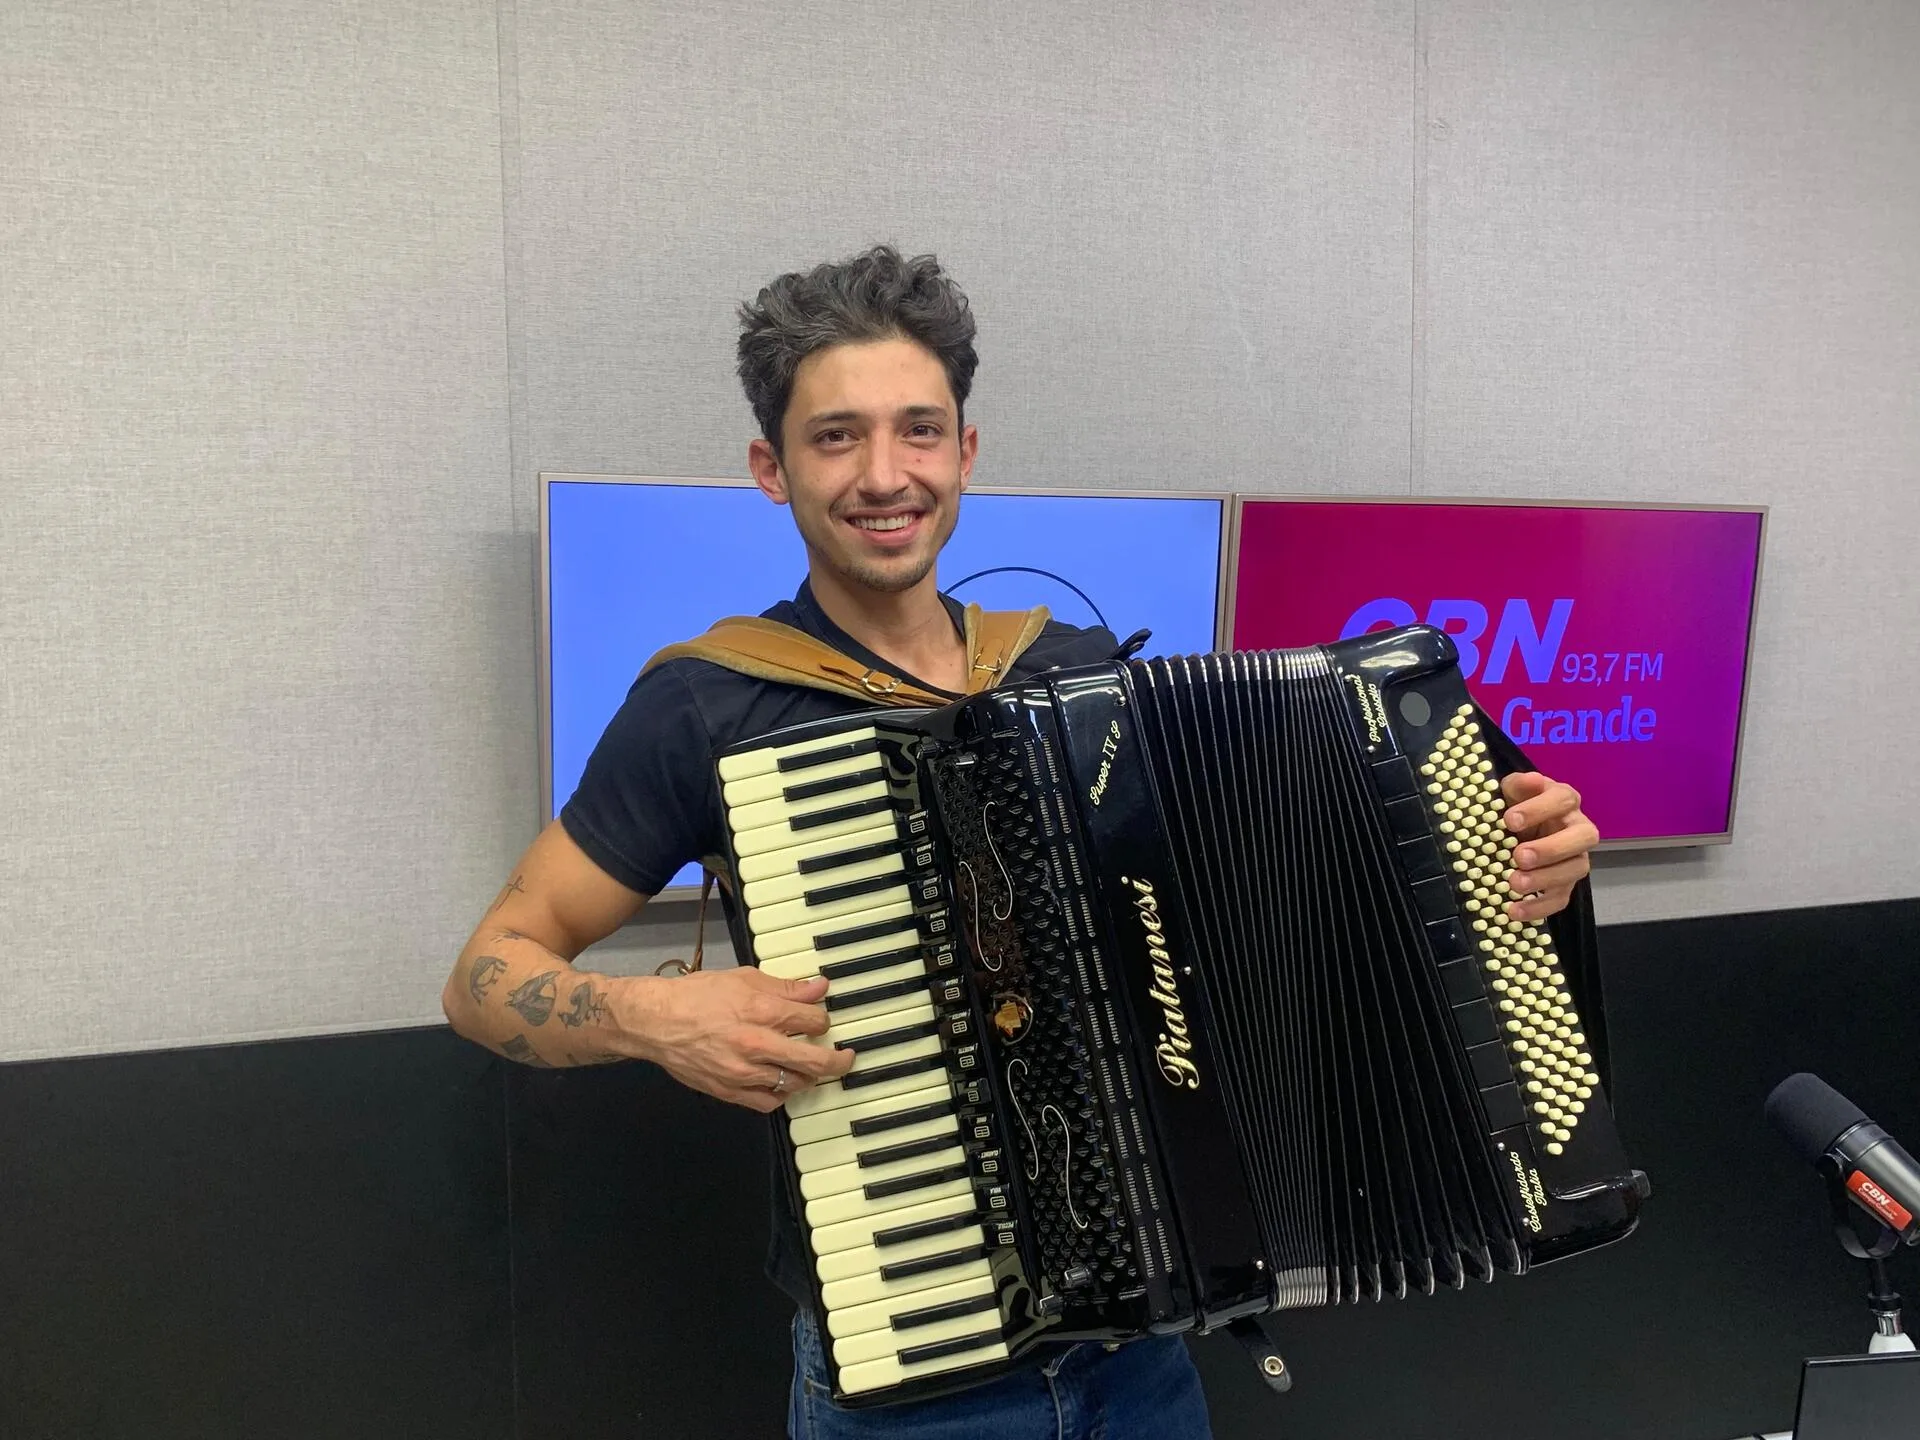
[(969, 447), (767, 471)]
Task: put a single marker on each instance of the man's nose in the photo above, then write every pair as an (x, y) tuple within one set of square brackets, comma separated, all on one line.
[(886, 471)]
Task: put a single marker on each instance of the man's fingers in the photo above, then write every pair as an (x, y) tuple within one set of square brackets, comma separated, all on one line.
[(1541, 807), (1524, 785), (1562, 877), (810, 991), (798, 1058), (1571, 842), (789, 1017), (801, 1019), (1548, 902)]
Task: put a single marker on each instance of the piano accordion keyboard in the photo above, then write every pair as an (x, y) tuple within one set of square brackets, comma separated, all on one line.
[(884, 1156)]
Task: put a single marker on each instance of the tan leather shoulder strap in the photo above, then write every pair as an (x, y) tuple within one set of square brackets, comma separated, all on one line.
[(769, 650), (995, 639)]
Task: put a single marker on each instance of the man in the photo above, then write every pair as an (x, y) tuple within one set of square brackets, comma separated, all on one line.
[(858, 374)]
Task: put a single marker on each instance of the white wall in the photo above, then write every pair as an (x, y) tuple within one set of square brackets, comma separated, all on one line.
[(299, 300)]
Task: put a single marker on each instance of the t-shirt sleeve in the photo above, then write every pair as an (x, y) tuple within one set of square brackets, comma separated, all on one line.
[(643, 798)]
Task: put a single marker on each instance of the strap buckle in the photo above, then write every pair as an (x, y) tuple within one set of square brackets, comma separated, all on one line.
[(867, 683), (681, 967)]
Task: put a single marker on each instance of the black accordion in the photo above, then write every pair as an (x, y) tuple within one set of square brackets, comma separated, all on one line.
[(1180, 991)]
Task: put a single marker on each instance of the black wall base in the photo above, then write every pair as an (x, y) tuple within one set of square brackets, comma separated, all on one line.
[(301, 1239), (393, 1234)]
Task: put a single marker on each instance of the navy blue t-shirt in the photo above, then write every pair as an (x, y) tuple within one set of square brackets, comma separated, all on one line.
[(649, 799)]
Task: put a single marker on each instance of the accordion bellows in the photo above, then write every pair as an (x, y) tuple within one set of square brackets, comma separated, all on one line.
[(1181, 991)]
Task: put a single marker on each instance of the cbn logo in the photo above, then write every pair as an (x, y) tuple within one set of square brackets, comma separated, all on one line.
[(1466, 622)]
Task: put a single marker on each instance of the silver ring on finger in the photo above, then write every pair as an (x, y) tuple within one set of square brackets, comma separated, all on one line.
[(779, 1080)]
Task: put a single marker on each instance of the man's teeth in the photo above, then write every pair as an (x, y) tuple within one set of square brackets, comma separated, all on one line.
[(883, 522)]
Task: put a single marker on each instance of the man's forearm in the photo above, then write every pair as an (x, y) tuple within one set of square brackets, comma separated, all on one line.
[(519, 999)]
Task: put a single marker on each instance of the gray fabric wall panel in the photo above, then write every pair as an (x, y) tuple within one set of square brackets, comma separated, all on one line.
[(265, 624), (1186, 229), (299, 301), (1668, 254)]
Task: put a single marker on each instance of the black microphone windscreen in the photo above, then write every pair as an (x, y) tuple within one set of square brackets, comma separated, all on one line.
[(1811, 1114)]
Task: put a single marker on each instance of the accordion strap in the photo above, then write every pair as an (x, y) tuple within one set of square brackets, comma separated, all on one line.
[(769, 650)]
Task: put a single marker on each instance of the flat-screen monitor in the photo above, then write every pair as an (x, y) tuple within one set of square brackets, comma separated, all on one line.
[(1846, 1397), (631, 564), (1610, 641)]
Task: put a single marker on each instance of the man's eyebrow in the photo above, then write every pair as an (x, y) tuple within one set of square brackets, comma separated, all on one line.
[(908, 412)]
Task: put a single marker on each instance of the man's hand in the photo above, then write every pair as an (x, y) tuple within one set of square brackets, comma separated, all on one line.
[(731, 1033), (1554, 840)]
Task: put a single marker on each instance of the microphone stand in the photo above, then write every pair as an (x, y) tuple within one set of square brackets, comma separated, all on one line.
[(1865, 1238)]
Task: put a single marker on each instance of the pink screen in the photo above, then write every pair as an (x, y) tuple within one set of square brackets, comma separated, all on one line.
[(1611, 644)]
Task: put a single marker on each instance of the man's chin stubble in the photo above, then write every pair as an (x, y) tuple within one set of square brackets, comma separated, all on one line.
[(889, 581)]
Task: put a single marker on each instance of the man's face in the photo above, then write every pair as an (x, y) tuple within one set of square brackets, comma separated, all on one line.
[(875, 460)]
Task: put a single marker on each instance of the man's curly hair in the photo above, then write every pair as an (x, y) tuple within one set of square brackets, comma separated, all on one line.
[(876, 295)]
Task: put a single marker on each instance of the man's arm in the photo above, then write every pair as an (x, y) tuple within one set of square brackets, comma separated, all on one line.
[(515, 989)]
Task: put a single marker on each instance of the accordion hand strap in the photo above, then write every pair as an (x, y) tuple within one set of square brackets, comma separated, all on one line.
[(769, 650), (682, 967)]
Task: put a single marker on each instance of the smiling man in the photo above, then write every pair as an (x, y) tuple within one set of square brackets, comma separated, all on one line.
[(858, 374)]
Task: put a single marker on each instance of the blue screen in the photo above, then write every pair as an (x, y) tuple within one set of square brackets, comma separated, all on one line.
[(634, 567)]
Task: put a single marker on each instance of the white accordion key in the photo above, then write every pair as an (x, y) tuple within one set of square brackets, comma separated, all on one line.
[(773, 784), (878, 1374), (893, 999), (791, 814), (880, 1314), (801, 756), (785, 861), (805, 964), (918, 1047), (933, 1094), (847, 1149), (781, 835), (839, 1179), (840, 1028), (781, 889), (888, 1343), (935, 1184), (830, 1095), (866, 1260), (813, 916), (893, 918), (866, 1289), (849, 1234)]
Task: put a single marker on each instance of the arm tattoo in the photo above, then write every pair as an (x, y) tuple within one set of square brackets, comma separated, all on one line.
[(486, 970), (515, 886), (508, 935), (517, 1048), (583, 1006), (534, 999)]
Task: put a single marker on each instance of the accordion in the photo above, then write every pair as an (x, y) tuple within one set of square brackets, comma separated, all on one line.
[(1180, 991)]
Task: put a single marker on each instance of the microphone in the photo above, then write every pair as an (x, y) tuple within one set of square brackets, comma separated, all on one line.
[(1829, 1132)]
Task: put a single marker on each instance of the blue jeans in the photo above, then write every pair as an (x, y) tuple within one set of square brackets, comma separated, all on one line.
[(1144, 1390)]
